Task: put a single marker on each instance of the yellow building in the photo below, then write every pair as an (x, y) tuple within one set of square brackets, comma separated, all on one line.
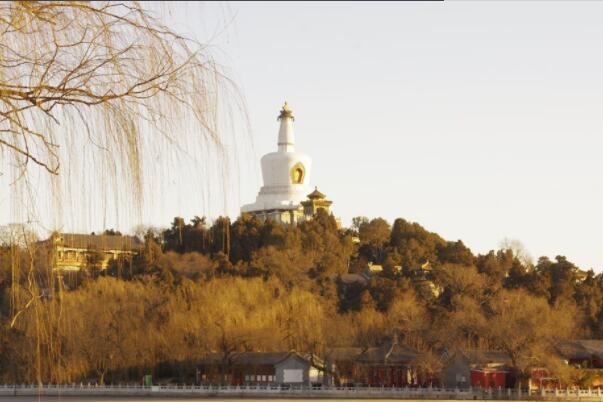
[(73, 251), (316, 200)]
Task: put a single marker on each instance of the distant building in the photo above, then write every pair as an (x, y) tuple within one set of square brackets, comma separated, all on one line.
[(477, 369), (342, 365), (423, 278), (389, 365), (583, 353), (586, 355), (268, 368), (72, 251), (540, 378), (316, 200), (285, 196)]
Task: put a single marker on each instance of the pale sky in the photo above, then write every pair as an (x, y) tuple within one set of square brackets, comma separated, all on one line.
[(480, 121)]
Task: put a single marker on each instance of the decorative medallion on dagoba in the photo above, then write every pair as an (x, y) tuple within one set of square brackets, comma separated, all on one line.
[(298, 173)]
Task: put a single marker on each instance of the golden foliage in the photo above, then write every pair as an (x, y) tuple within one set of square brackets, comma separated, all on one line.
[(101, 70), (114, 326)]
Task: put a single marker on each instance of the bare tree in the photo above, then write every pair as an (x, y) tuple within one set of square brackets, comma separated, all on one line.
[(91, 85), (104, 72), (519, 250), (526, 328), (16, 235)]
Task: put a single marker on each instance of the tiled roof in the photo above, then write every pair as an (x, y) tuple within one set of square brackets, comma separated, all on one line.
[(252, 358), (316, 194), (487, 356), (349, 279), (390, 352), (100, 242), (344, 353), (582, 349)]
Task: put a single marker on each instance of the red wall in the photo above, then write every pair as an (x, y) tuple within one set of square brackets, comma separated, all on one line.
[(488, 379), (388, 376)]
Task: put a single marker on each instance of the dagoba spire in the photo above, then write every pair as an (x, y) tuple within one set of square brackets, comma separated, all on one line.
[(286, 139)]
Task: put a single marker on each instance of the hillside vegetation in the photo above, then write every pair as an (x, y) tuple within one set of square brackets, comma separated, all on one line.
[(249, 285)]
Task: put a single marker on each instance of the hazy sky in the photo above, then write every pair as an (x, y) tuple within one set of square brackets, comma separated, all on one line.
[(481, 121)]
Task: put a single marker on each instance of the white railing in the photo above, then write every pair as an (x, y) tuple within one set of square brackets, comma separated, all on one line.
[(298, 391)]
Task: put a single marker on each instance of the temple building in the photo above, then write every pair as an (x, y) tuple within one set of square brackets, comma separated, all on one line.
[(316, 200), (286, 196), (73, 252)]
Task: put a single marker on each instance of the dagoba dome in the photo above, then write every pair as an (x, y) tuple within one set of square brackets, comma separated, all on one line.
[(286, 177)]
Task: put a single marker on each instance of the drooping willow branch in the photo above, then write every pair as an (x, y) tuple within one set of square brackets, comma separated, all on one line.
[(85, 87), (64, 64)]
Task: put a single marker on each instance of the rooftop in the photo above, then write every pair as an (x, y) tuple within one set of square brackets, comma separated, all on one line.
[(581, 349), (316, 195), (100, 242), (257, 358)]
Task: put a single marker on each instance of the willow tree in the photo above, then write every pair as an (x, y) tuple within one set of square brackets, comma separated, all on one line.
[(93, 86), (102, 71)]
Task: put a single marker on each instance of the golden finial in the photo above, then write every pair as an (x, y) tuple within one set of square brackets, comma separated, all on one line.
[(286, 112)]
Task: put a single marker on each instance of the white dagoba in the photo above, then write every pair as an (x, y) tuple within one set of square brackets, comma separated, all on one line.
[(286, 175)]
